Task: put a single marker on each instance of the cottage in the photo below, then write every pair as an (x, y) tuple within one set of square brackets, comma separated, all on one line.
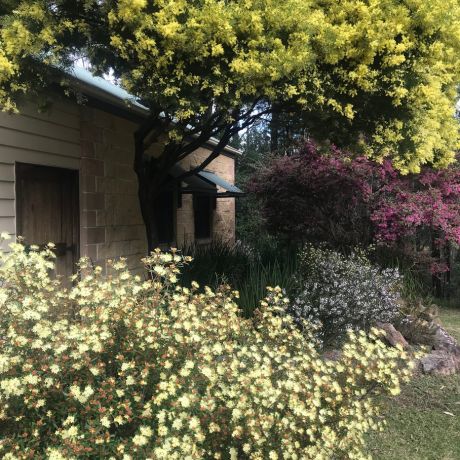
[(66, 175)]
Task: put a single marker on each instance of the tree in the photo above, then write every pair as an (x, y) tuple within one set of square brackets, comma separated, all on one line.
[(255, 143), (317, 195), (421, 214), (323, 194), (381, 76)]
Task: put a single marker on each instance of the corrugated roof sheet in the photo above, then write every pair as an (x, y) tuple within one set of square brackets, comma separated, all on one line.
[(218, 181), (101, 88), (104, 86), (205, 182)]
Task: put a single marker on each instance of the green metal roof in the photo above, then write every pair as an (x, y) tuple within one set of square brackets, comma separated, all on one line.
[(206, 183), (104, 90), (213, 178), (193, 183)]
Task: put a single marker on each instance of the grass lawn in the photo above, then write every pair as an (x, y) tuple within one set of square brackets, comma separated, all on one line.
[(424, 421)]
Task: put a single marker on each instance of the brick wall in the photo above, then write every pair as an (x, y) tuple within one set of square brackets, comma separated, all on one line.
[(111, 222), (224, 214)]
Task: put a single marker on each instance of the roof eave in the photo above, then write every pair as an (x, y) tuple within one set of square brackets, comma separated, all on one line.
[(131, 107)]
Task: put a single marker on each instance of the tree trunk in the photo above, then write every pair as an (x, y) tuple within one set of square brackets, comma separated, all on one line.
[(147, 195), (153, 173), (274, 130), (149, 185)]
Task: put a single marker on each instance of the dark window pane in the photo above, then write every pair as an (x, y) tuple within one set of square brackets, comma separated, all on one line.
[(202, 207)]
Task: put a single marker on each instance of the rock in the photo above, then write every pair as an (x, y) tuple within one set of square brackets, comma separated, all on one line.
[(444, 358), (440, 362), (392, 336), (417, 331), (444, 341)]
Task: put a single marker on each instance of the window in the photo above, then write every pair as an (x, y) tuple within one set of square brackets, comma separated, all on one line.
[(164, 215), (202, 208)]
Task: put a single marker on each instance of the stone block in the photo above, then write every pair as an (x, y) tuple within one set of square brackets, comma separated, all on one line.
[(92, 167), (91, 132), (90, 250), (100, 184), (101, 150), (93, 201), (103, 119), (95, 235), (111, 168), (120, 124), (126, 171), (138, 247), (87, 183), (126, 233), (101, 218), (87, 149), (88, 218)]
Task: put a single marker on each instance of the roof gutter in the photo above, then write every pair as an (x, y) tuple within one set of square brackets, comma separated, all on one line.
[(112, 95)]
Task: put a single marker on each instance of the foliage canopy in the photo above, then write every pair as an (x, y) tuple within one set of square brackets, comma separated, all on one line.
[(380, 74)]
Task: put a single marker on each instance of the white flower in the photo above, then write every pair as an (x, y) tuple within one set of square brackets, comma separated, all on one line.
[(140, 440), (5, 236), (146, 431), (105, 422)]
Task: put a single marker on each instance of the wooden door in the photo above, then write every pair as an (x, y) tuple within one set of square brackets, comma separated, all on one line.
[(47, 210)]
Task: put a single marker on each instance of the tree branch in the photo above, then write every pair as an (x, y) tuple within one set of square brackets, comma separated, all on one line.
[(175, 152), (229, 132)]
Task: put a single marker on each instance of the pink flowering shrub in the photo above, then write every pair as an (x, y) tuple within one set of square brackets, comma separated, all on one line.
[(117, 367), (425, 208), (315, 196), (325, 194)]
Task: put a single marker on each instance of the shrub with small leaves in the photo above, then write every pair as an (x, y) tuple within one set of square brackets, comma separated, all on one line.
[(122, 368), (341, 293)]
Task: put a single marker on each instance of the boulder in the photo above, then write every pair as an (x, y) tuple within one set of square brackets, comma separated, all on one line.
[(444, 359), (392, 336), (440, 362), (444, 341)]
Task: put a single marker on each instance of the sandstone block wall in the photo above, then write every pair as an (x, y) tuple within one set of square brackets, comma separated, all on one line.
[(224, 214), (111, 221), (100, 146)]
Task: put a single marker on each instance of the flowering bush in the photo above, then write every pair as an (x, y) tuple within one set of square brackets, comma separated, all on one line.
[(325, 194), (344, 292), (317, 195), (117, 367)]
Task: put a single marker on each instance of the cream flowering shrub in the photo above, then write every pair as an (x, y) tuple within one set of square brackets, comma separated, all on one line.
[(121, 367)]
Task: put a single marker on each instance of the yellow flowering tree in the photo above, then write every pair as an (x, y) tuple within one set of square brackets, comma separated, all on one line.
[(378, 74), (121, 368)]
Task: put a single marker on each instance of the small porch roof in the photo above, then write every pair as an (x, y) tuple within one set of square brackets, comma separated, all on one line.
[(205, 183), (213, 178)]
